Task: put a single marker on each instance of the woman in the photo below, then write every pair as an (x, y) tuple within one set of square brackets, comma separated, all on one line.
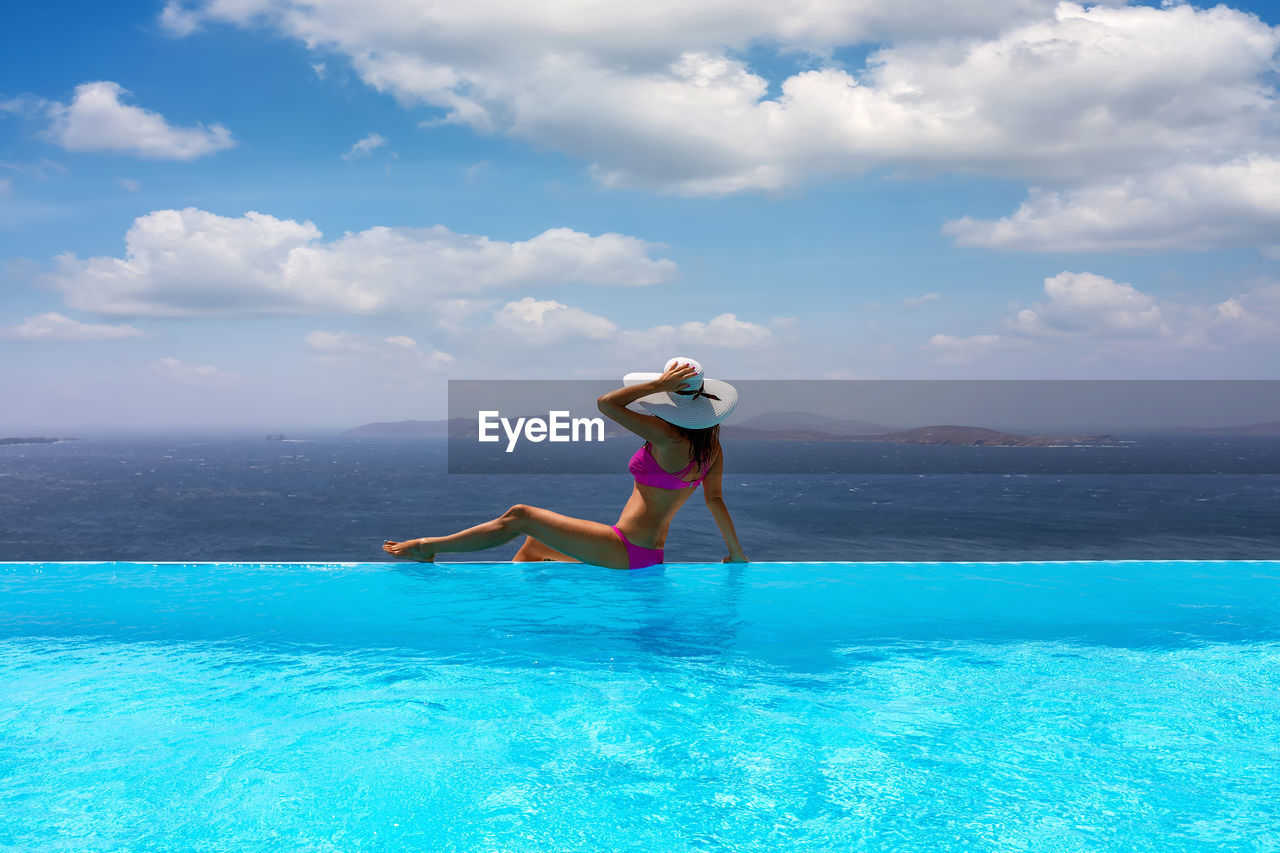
[(681, 429)]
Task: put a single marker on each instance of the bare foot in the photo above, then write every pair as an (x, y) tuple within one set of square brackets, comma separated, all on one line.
[(411, 549)]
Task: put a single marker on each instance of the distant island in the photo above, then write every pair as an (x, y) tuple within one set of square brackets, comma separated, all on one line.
[(455, 428), (1269, 428), (809, 422), (786, 426), (960, 436), (35, 440), (440, 428), (969, 436), (793, 434), (774, 427), (806, 426)]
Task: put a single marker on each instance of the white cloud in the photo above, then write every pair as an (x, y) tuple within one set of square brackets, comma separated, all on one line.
[(130, 184), (192, 263), (545, 321), (96, 120), (41, 171), (954, 350), (636, 31), (917, 301), (1088, 316), (477, 169), (1187, 206), (179, 21), (724, 330), (654, 96), (1252, 314), (190, 374), (452, 314), (1084, 303), (542, 322), (365, 146), (51, 326), (333, 343), (397, 355), (319, 68)]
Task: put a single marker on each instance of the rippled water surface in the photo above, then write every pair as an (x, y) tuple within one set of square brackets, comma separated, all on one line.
[(226, 498), (482, 706)]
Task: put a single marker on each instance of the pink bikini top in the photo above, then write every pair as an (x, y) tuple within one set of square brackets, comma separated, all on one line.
[(648, 472)]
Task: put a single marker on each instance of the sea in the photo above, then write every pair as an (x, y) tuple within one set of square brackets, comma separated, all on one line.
[(335, 497)]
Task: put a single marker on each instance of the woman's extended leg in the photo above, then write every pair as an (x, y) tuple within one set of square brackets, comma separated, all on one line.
[(588, 541)]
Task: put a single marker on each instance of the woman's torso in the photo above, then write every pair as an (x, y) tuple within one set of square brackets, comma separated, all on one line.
[(649, 511)]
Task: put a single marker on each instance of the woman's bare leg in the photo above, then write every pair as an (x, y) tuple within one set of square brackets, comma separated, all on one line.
[(587, 541), (533, 551)]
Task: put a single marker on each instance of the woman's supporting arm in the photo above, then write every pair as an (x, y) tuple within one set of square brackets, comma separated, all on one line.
[(712, 492)]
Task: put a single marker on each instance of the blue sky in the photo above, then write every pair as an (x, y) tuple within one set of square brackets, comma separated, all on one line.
[(866, 190)]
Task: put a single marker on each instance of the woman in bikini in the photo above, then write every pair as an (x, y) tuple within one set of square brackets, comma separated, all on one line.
[(681, 429)]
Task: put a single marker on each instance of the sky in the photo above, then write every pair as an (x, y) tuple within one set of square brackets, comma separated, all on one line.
[(276, 213)]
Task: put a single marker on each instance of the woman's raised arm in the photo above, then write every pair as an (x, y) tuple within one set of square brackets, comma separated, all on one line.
[(648, 427)]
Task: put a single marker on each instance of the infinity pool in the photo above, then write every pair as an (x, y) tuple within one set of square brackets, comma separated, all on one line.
[(532, 707)]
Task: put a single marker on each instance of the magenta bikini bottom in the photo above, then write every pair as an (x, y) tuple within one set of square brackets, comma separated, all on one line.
[(637, 557)]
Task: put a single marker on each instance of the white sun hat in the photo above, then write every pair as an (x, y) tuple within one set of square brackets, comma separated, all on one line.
[(703, 403)]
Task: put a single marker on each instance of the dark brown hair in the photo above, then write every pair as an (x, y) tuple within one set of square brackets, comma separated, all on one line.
[(704, 443)]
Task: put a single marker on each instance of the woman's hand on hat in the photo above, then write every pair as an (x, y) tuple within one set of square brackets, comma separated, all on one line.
[(675, 378)]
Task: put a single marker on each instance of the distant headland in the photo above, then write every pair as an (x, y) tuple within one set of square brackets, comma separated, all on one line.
[(959, 436), (970, 436), (1269, 428), (35, 440), (784, 426)]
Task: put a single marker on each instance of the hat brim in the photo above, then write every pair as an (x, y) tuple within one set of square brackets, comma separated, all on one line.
[(683, 410)]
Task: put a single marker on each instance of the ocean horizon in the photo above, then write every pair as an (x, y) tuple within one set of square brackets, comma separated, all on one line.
[(325, 497)]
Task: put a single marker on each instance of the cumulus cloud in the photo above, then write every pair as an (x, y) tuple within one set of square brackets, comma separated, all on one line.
[(1084, 303), (635, 31), (1187, 206), (52, 326), (1140, 126), (452, 314), (42, 170), (951, 349), (917, 301), (192, 263), (724, 330), (1098, 316), (655, 94), (190, 374), (335, 343), (545, 321), (1252, 314), (97, 120), (179, 21), (395, 355), (365, 146)]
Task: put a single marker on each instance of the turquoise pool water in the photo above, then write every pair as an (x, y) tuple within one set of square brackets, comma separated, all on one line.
[(510, 707)]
